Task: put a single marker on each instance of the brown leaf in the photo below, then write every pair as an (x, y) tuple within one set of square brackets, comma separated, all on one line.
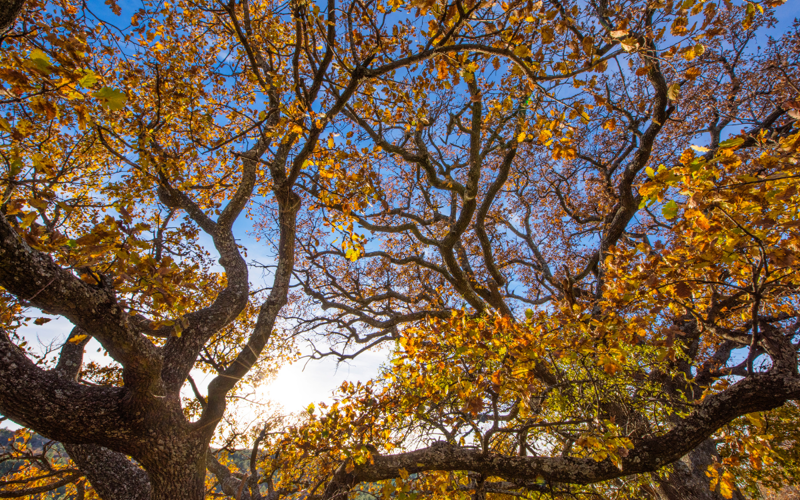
[(683, 290)]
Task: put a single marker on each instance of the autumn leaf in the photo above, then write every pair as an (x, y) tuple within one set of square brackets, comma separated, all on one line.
[(40, 61), (683, 290), (111, 98), (702, 223), (629, 44), (731, 143), (88, 79), (670, 210), (748, 21), (673, 91), (77, 339)]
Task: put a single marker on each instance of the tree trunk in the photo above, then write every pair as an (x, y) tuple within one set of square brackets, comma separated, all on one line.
[(689, 480), (177, 469), (177, 483)]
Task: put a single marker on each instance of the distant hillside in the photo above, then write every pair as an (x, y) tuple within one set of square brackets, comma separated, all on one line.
[(241, 457), (36, 443), (7, 436)]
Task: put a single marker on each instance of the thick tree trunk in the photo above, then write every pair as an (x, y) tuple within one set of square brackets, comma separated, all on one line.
[(173, 482), (177, 467), (174, 469)]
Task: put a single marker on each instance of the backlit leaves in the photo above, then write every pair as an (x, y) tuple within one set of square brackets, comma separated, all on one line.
[(112, 98)]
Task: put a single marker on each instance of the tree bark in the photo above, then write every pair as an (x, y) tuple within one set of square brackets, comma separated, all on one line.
[(177, 471), (175, 479), (689, 479), (9, 10), (111, 474)]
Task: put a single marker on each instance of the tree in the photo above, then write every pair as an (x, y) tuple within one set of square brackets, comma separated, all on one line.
[(506, 191), (493, 175), (109, 133)]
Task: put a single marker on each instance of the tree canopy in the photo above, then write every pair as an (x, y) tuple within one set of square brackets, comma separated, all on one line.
[(573, 223)]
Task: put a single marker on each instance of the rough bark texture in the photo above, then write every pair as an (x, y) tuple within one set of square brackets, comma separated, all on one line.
[(9, 10), (230, 485), (689, 478), (111, 474)]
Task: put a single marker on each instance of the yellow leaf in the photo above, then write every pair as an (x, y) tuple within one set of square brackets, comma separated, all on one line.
[(726, 485), (521, 137), (629, 44), (522, 51), (77, 339), (28, 219), (748, 18), (699, 50), (673, 91), (692, 73), (547, 34), (702, 223), (40, 204)]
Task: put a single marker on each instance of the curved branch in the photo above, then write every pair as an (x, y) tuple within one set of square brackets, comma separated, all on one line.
[(759, 392)]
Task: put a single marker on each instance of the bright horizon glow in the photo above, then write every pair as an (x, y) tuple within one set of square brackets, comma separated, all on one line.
[(292, 390)]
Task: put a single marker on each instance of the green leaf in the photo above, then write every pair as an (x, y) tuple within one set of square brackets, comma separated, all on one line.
[(112, 98), (88, 79), (748, 17), (40, 61), (670, 210), (732, 143)]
